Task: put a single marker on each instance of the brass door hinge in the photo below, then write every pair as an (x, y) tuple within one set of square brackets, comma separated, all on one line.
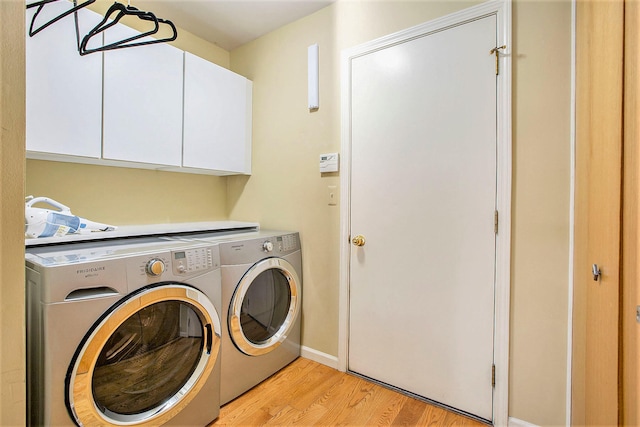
[(495, 222), (493, 376)]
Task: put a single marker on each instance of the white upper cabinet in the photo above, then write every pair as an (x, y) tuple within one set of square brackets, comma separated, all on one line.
[(142, 101), (217, 117), (63, 89)]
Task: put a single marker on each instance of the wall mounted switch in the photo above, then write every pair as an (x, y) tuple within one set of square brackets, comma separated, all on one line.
[(332, 195)]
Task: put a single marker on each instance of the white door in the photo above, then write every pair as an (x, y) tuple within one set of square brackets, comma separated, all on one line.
[(423, 195)]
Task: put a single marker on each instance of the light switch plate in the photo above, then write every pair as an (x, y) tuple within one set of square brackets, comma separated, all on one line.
[(332, 195)]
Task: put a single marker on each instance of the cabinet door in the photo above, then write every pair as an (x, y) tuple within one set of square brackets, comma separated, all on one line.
[(217, 118), (142, 101), (63, 89)]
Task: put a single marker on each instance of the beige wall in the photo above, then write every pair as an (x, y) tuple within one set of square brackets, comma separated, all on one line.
[(12, 89), (540, 247), (122, 196), (287, 191)]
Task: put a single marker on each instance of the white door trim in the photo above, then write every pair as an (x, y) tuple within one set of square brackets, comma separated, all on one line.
[(502, 10)]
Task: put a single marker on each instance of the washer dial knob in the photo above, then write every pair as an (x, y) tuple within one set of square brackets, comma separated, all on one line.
[(155, 267), (267, 246)]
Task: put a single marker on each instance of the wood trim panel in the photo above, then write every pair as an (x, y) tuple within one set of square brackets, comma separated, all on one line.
[(630, 374), (12, 169), (599, 75)]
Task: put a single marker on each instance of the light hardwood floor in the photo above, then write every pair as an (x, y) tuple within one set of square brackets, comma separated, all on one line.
[(307, 393)]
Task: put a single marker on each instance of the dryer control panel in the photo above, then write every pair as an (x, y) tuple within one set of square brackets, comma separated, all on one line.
[(288, 242), (193, 260)]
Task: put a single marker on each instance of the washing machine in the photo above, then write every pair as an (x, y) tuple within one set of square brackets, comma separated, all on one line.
[(261, 303), (125, 332)]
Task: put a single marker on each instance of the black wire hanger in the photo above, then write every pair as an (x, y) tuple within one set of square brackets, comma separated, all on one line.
[(123, 11), (41, 4)]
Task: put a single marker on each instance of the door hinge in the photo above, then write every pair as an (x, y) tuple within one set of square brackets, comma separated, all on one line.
[(493, 376), (495, 222)]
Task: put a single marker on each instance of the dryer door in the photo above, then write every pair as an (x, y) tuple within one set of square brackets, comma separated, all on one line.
[(145, 358), (264, 306)]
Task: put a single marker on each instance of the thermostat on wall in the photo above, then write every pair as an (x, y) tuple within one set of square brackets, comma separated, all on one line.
[(329, 162)]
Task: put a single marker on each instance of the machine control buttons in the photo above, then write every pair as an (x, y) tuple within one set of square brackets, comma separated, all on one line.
[(155, 267), (287, 243), (193, 260), (267, 246)]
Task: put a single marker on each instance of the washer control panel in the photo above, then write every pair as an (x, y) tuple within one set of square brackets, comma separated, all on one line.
[(193, 260)]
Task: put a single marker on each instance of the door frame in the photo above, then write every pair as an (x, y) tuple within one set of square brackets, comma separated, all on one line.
[(630, 279), (502, 10)]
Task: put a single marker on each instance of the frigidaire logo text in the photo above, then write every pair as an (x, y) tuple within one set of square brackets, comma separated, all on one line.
[(90, 270)]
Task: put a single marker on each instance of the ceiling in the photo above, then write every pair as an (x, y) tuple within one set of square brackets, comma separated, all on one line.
[(231, 23)]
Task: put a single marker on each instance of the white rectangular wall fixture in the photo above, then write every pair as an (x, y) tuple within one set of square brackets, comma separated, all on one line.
[(313, 73), (329, 162)]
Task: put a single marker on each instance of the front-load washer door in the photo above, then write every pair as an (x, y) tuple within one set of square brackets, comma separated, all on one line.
[(264, 306), (145, 359)]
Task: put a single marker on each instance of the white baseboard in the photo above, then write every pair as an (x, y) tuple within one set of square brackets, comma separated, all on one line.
[(320, 357), (514, 422)]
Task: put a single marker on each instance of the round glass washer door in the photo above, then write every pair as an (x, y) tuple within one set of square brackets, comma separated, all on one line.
[(264, 306), (146, 358)]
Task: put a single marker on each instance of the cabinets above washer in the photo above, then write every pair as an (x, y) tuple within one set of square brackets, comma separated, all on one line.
[(217, 117), (150, 107), (142, 101), (64, 90)]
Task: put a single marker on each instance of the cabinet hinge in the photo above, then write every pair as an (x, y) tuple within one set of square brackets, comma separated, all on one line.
[(495, 222), (493, 376)]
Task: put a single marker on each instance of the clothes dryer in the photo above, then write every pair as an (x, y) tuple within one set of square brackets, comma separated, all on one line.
[(124, 332), (261, 304)]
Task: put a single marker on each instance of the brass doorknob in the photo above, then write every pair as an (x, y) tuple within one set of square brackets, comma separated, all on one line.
[(358, 240)]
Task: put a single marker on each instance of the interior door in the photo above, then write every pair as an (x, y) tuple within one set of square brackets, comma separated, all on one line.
[(423, 198)]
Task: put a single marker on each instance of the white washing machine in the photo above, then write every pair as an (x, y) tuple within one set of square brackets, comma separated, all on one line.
[(261, 304), (125, 332)]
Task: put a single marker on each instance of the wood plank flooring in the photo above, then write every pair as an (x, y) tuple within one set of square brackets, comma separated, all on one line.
[(306, 393)]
